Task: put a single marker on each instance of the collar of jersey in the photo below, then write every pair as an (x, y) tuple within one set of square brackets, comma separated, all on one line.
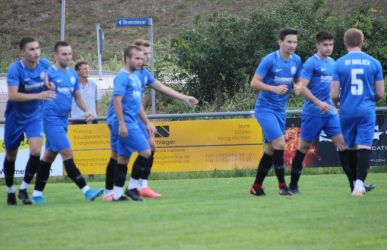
[(279, 56)]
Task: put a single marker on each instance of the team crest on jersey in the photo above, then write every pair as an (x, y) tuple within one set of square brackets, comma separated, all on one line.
[(72, 80), (293, 70), (42, 75), (145, 79)]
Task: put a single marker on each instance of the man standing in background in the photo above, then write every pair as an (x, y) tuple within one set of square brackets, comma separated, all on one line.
[(89, 92)]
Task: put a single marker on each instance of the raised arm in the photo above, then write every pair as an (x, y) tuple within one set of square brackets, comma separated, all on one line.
[(190, 100)]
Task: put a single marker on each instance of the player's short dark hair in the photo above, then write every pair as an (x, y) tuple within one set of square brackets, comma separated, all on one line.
[(60, 44), (323, 36), (353, 38), (23, 42), (128, 52), (79, 64), (287, 31), (142, 43)]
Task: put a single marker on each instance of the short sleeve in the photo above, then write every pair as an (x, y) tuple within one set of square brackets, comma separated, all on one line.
[(120, 83), (299, 68), (335, 72), (264, 67), (13, 76), (150, 78), (379, 72), (97, 93), (307, 70), (77, 85)]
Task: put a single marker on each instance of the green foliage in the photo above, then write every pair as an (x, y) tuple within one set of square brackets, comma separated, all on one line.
[(219, 54)]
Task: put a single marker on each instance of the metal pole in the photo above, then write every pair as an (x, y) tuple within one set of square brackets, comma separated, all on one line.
[(63, 21), (99, 52), (153, 94)]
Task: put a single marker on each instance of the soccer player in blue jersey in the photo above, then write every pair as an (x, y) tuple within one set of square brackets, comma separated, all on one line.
[(277, 74), (358, 84), (127, 96), (65, 82), (318, 112), (23, 114), (139, 176)]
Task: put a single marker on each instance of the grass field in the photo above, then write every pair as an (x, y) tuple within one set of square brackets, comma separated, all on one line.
[(212, 213)]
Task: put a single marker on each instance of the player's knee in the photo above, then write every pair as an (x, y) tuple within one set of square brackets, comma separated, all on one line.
[(113, 155), (279, 143), (146, 153), (304, 147), (67, 154), (11, 155), (35, 151)]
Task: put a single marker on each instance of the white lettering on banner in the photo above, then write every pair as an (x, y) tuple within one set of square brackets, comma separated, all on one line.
[(22, 158)]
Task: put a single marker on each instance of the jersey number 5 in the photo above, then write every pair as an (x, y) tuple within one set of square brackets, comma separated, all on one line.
[(356, 83)]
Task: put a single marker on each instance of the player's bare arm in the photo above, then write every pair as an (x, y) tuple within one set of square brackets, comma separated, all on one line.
[(379, 90), (324, 107), (335, 91), (149, 125), (258, 84), (16, 96), (122, 129), (190, 100), (297, 86)]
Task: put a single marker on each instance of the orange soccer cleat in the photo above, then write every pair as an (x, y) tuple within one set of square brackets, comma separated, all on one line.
[(108, 197), (148, 192)]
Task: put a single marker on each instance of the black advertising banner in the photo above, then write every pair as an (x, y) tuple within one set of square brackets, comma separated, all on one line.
[(323, 153)]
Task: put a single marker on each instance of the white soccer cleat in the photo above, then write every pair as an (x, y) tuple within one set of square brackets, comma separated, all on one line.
[(358, 192)]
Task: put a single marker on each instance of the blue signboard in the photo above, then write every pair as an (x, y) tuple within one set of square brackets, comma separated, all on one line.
[(133, 22)]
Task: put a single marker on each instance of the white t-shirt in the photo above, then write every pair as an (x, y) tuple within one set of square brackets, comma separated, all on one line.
[(90, 95)]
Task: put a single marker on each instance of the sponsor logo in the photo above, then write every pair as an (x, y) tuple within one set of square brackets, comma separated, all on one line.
[(162, 131)]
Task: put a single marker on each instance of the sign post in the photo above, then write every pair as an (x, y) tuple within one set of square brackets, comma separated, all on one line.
[(142, 22), (100, 45)]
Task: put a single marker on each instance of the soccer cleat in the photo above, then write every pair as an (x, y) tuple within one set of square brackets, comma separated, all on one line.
[(38, 199), (108, 197), (11, 199), (134, 194), (369, 187), (91, 194), (148, 193), (358, 192), (257, 192), (122, 198), (284, 191), (294, 189), (23, 195)]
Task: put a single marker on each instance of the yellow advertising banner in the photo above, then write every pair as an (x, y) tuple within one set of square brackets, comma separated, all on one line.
[(199, 145)]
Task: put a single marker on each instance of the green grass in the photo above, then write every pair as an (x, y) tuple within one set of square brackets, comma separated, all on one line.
[(212, 213)]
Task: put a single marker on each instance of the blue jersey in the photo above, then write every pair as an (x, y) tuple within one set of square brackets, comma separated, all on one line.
[(129, 87), (357, 73), (145, 77), (66, 83), (319, 73), (28, 81), (276, 71)]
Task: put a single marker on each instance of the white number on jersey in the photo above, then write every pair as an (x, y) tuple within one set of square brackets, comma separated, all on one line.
[(356, 83)]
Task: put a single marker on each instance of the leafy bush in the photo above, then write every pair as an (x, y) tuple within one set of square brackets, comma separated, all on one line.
[(219, 54)]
